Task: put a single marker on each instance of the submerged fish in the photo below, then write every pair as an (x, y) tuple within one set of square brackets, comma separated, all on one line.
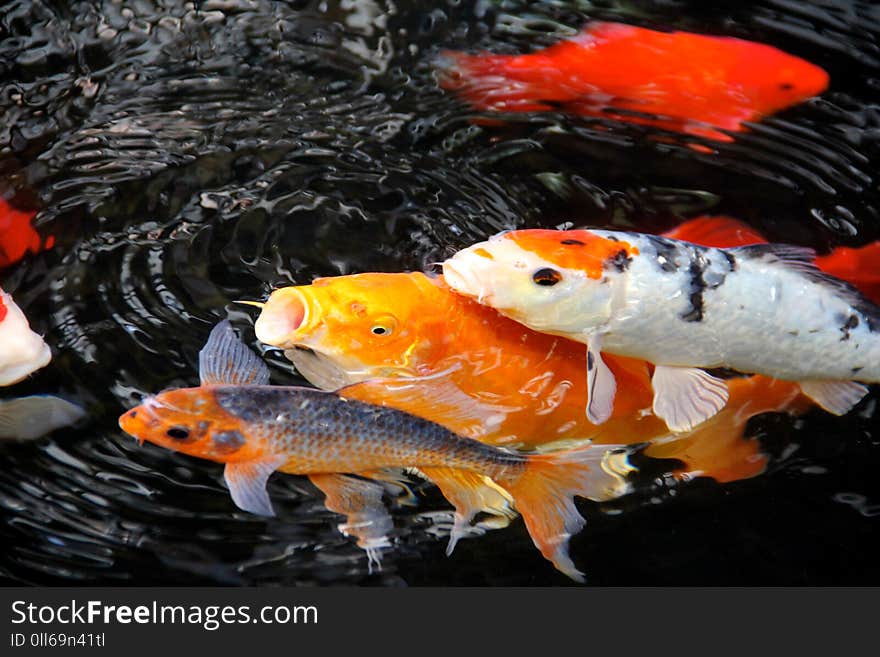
[(762, 308), (256, 429), (675, 80), (21, 350), (28, 418), (17, 236)]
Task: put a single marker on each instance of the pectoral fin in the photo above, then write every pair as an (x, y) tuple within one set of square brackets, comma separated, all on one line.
[(470, 493), (27, 418), (686, 396), (247, 483), (837, 397), (366, 517), (601, 384)]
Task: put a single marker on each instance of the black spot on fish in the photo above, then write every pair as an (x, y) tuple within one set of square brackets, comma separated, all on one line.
[(856, 370), (666, 253), (226, 442), (590, 363), (620, 261), (133, 414), (611, 238), (786, 86), (697, 288), (572, 243), (794, 334), (731, 260), (851, 322)]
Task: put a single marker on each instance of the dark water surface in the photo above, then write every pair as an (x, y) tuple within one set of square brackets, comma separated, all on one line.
[(184, 159)]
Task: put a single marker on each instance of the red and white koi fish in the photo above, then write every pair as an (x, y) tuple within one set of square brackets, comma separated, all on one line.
[(763, 308), (256, 429), (675, 80), (21, 350)]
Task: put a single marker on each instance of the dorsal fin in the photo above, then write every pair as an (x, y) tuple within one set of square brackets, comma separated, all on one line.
[(798, 257), (225, 360)]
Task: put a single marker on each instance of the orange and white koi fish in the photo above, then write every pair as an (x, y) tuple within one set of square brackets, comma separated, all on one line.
[(21, 350), (689, 83), (256, 429), (762, 308)]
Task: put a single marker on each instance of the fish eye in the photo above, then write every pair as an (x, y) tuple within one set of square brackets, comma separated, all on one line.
[(547, 277), (178, 433), (384, 326)]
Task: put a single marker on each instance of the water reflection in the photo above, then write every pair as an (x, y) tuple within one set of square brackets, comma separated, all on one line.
[(184, 159)]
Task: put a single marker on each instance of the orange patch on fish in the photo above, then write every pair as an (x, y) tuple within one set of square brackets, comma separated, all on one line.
[(572, 249)]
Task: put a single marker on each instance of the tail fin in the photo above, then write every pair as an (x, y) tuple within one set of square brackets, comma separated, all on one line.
[(859, 266), (544, 492)]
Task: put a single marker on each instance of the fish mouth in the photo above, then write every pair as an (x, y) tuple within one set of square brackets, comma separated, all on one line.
[(138, 421), (284, 314), (15, 372), (463, 280)]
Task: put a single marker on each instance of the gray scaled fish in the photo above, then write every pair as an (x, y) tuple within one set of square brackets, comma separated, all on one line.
[(235, 418)]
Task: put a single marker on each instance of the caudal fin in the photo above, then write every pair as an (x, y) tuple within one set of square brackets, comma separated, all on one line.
[(544, 492)]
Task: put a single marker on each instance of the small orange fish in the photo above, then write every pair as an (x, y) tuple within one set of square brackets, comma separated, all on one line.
[(678, 81), (256, 429)]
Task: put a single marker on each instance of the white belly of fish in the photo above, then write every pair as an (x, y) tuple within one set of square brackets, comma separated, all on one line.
[(751, 313)]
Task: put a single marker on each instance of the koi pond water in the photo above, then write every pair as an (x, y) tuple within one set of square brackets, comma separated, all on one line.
[(183, 156)]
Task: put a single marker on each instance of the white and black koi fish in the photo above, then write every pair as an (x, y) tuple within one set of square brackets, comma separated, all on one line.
[(763, 309)]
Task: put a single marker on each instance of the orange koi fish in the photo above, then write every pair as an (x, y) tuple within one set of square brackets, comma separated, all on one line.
[(255, 429), (688, 83), (760, 308)]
